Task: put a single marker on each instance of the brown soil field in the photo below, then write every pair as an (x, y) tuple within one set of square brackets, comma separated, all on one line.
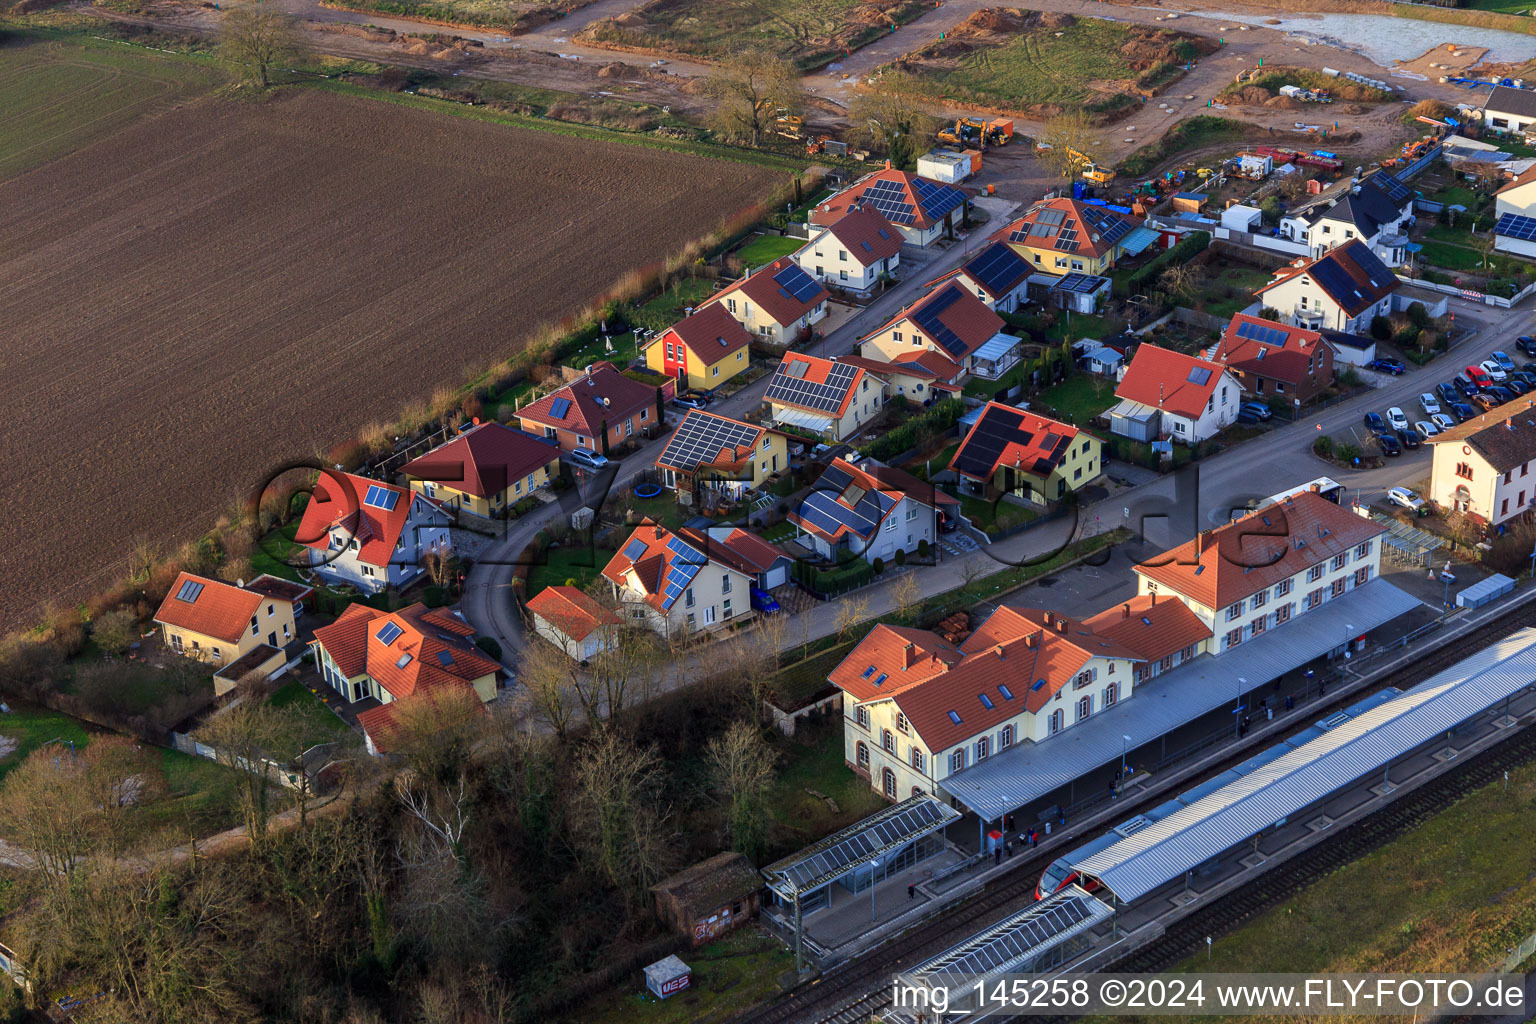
[(225, 286)]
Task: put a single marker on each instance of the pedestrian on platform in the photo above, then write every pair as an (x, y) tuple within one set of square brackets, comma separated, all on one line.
[(912, 892), (997, 855)]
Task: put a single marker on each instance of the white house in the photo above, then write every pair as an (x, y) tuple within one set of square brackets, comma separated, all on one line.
[(923, 210), (1261, 571), (370, 534), (1342, 290), (870, 510), (1515, 207), (1377, 209), (572, 621), (778, 303), (1169, 394), (1510, 110), (998, 276), (1483, 467), (853, 253), (917, 710), (672, 583)]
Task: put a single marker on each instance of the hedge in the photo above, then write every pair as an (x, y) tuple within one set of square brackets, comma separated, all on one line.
[(931, 422), (1188, 247)]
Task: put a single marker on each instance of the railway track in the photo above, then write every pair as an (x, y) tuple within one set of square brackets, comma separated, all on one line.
[(855, 992)]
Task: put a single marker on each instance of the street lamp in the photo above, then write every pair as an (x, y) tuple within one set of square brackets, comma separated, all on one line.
[(1125, 743), (1447, 577), (1237, 709), (1349, 636), (872, 865)]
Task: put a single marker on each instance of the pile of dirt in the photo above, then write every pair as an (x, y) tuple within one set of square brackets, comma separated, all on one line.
[(990, 20), (615, 70), (1249, 96), (1056, 21), (369, 32), (629, 19), (1283, 103)]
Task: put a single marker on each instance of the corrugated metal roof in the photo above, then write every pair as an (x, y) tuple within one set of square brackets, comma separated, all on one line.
[(1027, 771), (1162, 853), (858, 844)]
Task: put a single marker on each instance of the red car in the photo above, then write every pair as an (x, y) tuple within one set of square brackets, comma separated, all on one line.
[(1479, 376)]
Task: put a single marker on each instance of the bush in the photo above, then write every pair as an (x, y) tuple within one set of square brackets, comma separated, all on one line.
[(901, 556), (1346, 452), (1381, 328), (489, 646), (879, 565), (1323, 446), (115, 630), (922, 549), (1418, 315), (932, 422)]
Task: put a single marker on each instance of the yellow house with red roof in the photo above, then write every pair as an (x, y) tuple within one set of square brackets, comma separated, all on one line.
[(241, 628), (701, 351), (779, 303), (382, 658), (1067, 236), (831, 399), (485, 471), (1024, 454)]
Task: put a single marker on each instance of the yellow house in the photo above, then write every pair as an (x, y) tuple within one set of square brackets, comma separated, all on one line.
[(485, 471), (1066, 236), (779, 303), (950, 322), (832, 399), (391, 656), (241, 629), (711, 451), (1017, 452), (701, 351)]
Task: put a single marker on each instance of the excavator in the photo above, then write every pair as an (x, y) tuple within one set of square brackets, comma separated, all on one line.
[(791, 126), (1092, 171), (971, 131)]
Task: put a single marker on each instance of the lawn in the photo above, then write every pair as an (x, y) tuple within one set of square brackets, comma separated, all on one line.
[(780, 531), (815, 761), (1195, 133), (562, 565), (936, 463), (764, 249), (1080, 397), (662, 509), (1230, 289), (1076, 326), (320, 723), (1449, 256), (1044, 66), (668, 308), (730, 975), (625, 351), (994, 517), (1451, 895), (271, 553), (32, 727)]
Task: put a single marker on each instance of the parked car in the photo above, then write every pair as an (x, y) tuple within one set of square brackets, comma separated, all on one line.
[(1502, 358), (1462, 411), (1428, 404), (1392, 366), (1465, 385), (1525, 376), (1516, 384), (1406, 498), (1527, 344), (1375, 423), (1396, 419), (1409, 438), (691, 400), (1528, 368), (1501, 394), (1484, 401), (1494, 371), (762, 601), (1389, 444), (1447, 392), (1247, 416), (1478, 375), (1259, 409), (1442, 421), (1425, 429), (584, 458)]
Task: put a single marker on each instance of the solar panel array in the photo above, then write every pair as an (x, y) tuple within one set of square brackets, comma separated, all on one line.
[(838, 502), (1329, 272), (700, 438), (936, 199), (682, 567), (559, 407), (998, 268), (891, 200), (379, 496), (796, 284), (189, 591), (995, 431), (1199, 376), (1052, 228), (1018, 939), (927, 317), (1262, 333), (863, 846), (1079, 283), (1513, 225), (387, 633), (826, 396), (1394, 189), (634, 549)]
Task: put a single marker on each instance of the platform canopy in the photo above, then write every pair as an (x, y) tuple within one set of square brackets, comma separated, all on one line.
[(864, 841), (1166, 849)]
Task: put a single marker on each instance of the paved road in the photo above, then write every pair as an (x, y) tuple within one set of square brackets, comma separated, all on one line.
[(488, 603)]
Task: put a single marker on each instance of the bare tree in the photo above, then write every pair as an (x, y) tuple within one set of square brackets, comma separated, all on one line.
[(741, 764), (973, 569), (1179, 282), (257, 40), (1484, 243), (892, 118), (851, 611), (621, 824), (906, 594), (552, 679), (253, 739), (1072, 143), (751, 90)]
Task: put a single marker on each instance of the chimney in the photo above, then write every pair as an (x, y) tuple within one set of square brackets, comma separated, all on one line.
[(659, 531), (1125, 610), (1061, 625), (887, 165), (1509, 424), (1001, 654), (906, 658), (1317, 488), (1031, 639), (1154, 599), (1200, 543)]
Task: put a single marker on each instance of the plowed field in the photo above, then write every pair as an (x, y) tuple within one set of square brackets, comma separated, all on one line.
[(223, 286)]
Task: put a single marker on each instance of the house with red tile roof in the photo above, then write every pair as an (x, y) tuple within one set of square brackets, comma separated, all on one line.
[(1274, 360), (245, 625), (917, 378), (597, 411), (382, 658), (1014, 451), (1167, 394), (830, 398), (1064, 236), (922, 209), (871, 510), (677, 583), (573, 621), (709, 452), (1342, 290), (484, 471), (370, 534), (952, 322), (778, 303), (768, 564), (701, 351), (1267, 568), (918, 709), (854, 253)]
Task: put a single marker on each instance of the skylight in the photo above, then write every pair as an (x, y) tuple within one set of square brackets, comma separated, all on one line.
[(444, 658), (869, 672), (986, 701), (387, 634), (954, 716), (882, 677), (405, 659), (1007, 693), (189, 591), (1146, 621), (1039, 683)]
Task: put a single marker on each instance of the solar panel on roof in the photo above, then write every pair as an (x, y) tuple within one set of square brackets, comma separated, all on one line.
[(798, 368), (682, 567), (1051, 217), (1513, 225), (382, 497), (189, 591), (1199, 376), (559, 407), (634, 549), (700, 438), (1262, 333), (826, 396), (444, 658), (998, 268), (927, 317), (387, 633), (936, 199), (797, 284)]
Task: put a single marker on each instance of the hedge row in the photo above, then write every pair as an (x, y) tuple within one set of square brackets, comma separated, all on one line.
[(1187, 248), (931, 422)]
